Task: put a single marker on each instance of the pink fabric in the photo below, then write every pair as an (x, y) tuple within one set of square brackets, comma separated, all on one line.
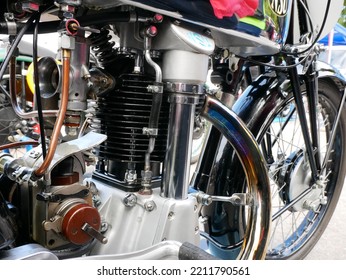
[(226, 8)]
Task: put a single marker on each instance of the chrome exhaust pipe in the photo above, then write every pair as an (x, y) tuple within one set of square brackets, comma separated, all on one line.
[(257, 233)]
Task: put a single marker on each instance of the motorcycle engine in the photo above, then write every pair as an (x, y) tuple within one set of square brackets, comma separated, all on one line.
[(124, 111), (113, 94)]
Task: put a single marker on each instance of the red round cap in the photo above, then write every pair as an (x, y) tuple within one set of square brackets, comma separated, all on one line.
[(74, 220)]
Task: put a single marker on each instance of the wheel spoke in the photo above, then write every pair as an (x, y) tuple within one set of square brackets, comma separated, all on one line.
[(298, 204)]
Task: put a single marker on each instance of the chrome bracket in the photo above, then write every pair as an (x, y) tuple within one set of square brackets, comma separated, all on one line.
[(237, 199)]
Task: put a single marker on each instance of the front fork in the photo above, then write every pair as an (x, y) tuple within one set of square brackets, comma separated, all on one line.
[(311, 139)]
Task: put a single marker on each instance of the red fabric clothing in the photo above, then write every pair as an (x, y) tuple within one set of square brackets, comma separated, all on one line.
[(227, 8)]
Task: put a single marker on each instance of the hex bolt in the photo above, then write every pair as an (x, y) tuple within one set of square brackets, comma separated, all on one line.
[(149, 205), (130, 200)]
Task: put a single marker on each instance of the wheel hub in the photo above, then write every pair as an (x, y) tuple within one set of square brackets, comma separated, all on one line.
[(295, 178)]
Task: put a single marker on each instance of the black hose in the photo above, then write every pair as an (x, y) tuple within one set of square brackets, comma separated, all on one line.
[(14, 45), (37, 87)]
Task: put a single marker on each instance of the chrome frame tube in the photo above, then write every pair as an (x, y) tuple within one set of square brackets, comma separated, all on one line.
[(175, 181)]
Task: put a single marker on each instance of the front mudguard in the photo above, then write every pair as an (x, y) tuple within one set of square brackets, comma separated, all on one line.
[(258, 100), (331, 74)]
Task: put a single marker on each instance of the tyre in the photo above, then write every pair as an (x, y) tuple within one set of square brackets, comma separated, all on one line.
[(297, 224)]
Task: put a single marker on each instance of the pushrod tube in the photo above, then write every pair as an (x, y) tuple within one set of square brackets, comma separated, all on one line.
[(156, 102), (259, 214)]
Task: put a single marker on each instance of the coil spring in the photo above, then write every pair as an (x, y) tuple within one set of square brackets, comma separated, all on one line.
[(102, 47)]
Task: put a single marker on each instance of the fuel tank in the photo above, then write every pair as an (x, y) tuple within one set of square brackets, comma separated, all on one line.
[(263, 33)]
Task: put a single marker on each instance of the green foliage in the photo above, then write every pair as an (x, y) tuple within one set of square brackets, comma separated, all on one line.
[(342, 19)]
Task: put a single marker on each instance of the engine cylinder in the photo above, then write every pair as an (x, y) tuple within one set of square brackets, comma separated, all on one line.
[(122, 115)]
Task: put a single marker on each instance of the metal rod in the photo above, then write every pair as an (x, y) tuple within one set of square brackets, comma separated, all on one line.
[(152, 128), (157, 68), (288, 206)]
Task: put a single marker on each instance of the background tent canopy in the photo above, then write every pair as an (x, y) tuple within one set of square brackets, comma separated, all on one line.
[(339, 36)]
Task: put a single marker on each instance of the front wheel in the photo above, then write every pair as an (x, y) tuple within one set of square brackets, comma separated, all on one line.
[(302, 208)]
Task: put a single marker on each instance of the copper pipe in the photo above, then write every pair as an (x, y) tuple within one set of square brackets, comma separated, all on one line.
[(66, 56), (18, 144), (13, 93)]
